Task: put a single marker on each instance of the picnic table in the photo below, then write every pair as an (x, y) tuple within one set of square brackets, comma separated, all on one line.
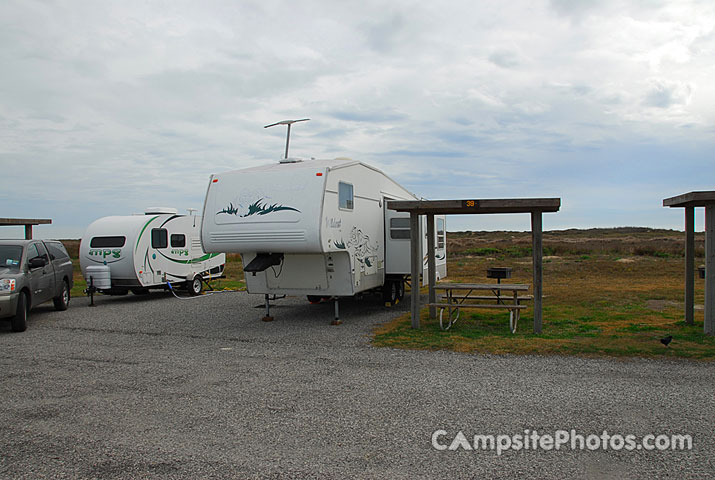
[(467, 295)]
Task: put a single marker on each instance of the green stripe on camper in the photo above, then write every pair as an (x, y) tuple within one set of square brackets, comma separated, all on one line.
[(193, 260), (142, 232)]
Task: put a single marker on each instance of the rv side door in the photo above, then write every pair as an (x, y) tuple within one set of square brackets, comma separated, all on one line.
[(397, 242), (440, 248)]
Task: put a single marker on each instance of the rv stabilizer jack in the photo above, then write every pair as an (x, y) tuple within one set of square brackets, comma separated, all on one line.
[(267, 317), (337, 320)]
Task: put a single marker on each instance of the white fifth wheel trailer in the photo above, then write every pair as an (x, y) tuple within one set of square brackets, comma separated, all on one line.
[(318, 228), (153, 250)]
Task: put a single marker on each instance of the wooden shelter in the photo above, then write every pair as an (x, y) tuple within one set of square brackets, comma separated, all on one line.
[(26, 222), (689, 201), (534, 206)]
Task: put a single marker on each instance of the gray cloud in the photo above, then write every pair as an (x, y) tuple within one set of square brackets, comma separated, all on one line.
[(505, 59), (662, 94)]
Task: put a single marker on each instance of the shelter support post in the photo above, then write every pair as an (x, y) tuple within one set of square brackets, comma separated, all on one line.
[(710, 269), (416, 266), (28, 232), (537, 249), (431, 268), (689, 264)]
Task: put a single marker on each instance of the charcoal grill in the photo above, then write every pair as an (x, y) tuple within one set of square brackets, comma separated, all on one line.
[(499, 273)]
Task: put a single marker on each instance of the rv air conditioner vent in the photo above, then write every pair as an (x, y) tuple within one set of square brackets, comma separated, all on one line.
[(160, 210), (263, 261), (291, 160)]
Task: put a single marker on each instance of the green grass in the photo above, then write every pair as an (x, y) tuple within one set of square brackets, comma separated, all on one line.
[(598, 307)]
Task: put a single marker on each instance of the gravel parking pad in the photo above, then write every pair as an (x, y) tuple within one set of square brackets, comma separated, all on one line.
[(153, 386)]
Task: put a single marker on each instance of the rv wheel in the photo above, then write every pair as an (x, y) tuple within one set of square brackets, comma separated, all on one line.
[(400, 289), (195, 286), (389, 292), (314, 298), (140, 291)]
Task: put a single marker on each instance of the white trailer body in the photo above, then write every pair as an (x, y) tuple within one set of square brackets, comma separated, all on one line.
[(146, 251), (318, 228)]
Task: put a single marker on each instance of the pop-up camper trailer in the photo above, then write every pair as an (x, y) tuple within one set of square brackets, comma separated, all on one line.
[(139, 252), (318, 228)]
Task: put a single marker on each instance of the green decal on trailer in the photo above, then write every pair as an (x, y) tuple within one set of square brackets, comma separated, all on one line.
[(257, 208), (142, 232), (193, 260)]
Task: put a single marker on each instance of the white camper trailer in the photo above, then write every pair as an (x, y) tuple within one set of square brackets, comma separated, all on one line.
[(318, 228), (139, 252)]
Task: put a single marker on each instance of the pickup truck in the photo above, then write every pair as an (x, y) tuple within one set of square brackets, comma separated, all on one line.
[(32, 272)]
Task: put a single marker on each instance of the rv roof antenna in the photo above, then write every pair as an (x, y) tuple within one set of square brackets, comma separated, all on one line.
[(289, 123)]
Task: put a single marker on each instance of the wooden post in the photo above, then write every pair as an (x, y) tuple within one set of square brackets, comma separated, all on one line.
[(416, 267), (709, 326), (689, 264), (28, 231), (537, 250), (431, 269)]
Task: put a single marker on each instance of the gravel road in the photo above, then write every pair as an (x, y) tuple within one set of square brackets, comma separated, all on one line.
[(157, 387)]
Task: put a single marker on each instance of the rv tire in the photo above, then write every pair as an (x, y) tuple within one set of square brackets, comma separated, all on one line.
[(314, 298), (140, 291), (400, 289), (389, 292), (195, 285)]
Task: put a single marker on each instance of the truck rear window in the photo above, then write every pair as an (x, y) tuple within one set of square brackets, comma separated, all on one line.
[(104, 242), (57, 251)]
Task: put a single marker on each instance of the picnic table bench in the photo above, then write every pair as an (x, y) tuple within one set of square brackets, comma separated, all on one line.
[(461, 295)]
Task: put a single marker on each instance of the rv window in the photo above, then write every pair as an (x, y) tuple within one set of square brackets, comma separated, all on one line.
[(159, 238), (400, 228), (178, 240), (345, 195), (104, 242), (440, 233)]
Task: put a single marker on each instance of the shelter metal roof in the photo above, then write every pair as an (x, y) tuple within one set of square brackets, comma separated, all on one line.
[(476, 206)]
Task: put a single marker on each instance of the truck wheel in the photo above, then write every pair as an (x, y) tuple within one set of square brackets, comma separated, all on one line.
[(63, 301), (19, 321), (195, 286)]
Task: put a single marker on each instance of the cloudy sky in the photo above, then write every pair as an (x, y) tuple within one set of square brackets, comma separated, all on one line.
[(109, 107)]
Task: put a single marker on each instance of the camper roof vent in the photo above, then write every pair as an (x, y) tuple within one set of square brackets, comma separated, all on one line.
[(290, 160), (159, 210)]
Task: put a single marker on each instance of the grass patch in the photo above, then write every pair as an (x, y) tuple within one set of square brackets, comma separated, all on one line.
[(594, 308)]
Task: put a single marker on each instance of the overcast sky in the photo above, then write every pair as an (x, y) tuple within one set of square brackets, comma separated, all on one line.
[(109, 107)]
